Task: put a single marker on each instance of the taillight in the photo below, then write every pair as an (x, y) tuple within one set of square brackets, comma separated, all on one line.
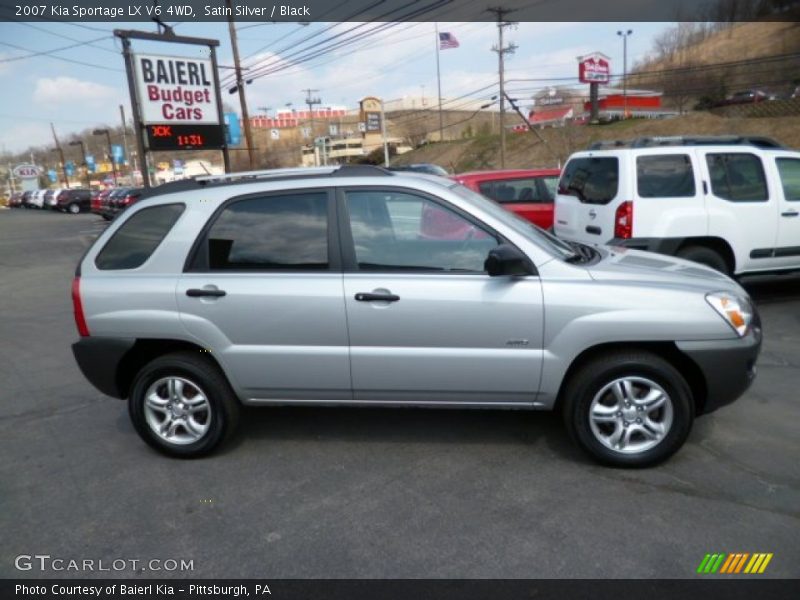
[(623, 221), (77, 308)]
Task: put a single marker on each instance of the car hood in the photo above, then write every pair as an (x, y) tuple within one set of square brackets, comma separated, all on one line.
[(625, 264)]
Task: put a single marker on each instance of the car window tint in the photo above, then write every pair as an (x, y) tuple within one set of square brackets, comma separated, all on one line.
[(274, 232), (136, 239), (737, 177), (400, 231), (550, 184), (513, 190), (594, 180), (665, 176), (789, 168)]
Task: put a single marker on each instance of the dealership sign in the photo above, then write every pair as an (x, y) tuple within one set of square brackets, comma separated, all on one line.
[(175, 90), (26, 171), (594, 68)]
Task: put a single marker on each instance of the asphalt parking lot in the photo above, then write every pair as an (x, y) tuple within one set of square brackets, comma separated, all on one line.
[(321, 492)]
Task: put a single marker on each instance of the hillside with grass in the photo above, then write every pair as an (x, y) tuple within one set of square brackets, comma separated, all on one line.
[(525, 150)]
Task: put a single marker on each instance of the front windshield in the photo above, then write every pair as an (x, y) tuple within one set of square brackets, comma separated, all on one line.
[(536, 234)]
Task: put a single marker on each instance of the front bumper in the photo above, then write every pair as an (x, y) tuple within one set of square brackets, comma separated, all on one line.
[(728, 366)]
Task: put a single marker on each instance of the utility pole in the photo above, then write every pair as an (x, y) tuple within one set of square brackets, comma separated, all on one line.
[(240, 86), (125, 142), (502, 50), (311, 101), (60, 155), (439, 82)]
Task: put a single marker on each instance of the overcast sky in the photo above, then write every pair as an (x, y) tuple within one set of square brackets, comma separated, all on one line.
[(397, 61)]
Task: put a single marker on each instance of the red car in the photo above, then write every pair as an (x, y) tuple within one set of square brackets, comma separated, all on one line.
[(528, 192)]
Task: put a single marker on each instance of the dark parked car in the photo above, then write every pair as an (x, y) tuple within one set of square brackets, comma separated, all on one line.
[(74, 200), (120, 199), (15, 200), (26, 198), (747, 97)]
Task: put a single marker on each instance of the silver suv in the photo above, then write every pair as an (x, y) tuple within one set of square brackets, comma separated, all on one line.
[(361, 286)]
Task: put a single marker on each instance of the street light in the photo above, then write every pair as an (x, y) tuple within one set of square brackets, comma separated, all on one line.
[(110, 151), (624, 35), (83, 154)]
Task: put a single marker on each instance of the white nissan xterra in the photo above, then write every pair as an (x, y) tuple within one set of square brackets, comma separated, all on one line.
[(731, 203)]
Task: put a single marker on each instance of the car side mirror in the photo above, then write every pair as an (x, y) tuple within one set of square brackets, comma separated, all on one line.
[(506, 259)]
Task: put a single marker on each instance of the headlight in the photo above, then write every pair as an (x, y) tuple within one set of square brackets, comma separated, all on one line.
[(736, 310)]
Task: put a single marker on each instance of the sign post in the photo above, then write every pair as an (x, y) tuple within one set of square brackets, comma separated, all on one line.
[(176, 100)]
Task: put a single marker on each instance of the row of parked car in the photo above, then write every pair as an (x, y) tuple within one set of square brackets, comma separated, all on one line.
[(73, 200), (106, 203)]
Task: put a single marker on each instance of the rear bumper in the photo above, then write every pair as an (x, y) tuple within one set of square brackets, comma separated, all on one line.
[(728, 366), (99, 358)]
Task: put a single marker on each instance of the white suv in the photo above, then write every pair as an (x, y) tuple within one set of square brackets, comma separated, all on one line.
[(731, 203)]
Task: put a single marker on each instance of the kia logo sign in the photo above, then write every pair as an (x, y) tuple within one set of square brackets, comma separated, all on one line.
[(26, 172)]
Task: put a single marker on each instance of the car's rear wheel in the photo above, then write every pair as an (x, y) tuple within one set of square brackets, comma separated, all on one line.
[(74, 208), (182, 405), (705, 256), (629, 409)]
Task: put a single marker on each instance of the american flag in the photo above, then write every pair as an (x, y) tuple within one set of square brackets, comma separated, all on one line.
[(447, 40)]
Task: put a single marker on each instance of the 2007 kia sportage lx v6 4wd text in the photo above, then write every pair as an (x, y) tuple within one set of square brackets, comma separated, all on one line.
[(331, 286)]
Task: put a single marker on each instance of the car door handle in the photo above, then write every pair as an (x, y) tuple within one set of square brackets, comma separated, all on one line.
[(202, 293), (790, 213), (368, 297)]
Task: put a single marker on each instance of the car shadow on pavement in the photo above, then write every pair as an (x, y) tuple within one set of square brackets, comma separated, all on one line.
[(769, 289), (404, 425)]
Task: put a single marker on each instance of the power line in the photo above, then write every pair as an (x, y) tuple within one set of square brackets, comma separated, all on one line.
[(49, 54), (313, 35), (45, 52), (66, 37), (311, 53)]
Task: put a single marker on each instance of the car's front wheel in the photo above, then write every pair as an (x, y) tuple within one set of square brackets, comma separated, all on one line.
[(630, 409), (182, 405), (74, 208)]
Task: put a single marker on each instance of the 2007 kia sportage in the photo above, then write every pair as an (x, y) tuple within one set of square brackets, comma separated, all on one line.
[(318, 286)]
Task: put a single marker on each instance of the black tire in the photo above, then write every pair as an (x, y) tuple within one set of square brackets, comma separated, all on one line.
[(593, 376), (74, 208), (202, 372), (705, 256)]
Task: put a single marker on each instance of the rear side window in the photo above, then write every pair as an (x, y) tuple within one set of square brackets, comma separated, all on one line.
[(515, 190), (132, 244), (594, 180), (286, 232), (789, 168), (737, 177), (665, 176)]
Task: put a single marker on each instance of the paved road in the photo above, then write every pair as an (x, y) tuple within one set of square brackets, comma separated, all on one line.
[(307, 492)]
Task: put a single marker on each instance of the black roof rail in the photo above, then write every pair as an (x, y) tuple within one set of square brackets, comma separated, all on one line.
[(208, 181), (685, 140), (603, 144), (707, 140)]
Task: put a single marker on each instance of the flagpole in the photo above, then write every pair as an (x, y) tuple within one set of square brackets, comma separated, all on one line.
[(439, 82)]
